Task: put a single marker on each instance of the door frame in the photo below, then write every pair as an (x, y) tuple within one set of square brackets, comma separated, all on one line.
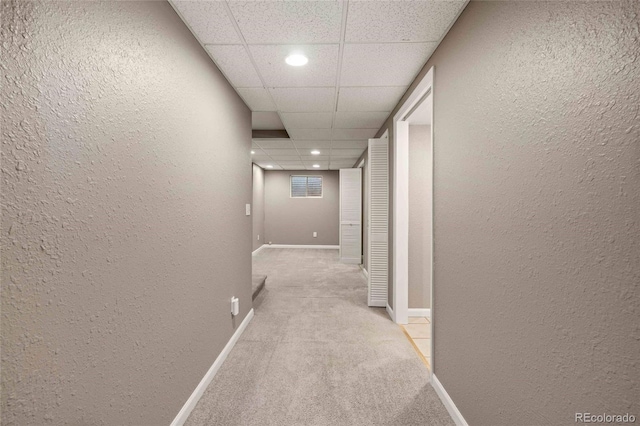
[(422, 92)]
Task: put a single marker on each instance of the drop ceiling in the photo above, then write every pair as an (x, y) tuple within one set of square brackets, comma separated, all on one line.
[(363, 55)]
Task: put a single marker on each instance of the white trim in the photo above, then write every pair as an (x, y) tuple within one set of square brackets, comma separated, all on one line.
[(455, 414), (419, 312), (401, 196), (364, 271), (303, 246), (258, 249), (391, 314), (206, 380)]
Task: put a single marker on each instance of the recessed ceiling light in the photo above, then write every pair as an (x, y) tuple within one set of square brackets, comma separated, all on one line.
[(317, 166), (315, 152), (269, 166), (296, 60), (253, 152)]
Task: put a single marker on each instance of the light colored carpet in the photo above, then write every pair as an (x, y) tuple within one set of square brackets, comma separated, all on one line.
[(315, 354)]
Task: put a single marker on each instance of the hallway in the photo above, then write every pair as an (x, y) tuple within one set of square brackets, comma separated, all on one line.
[(149, 148), (315, 354)]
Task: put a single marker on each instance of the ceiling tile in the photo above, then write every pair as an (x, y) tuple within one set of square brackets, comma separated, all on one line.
[(353, 144), (234, 62), (369, 98), (296, 167), (295, 158), (288, 21), (346, 152), (397, 21), (276, 152), (257, 99), (304, 99), (348, 161), (260, 156), (320, 71), (209, 21), (307, 151), (266, 120), (343, 162), (307, 120), (317, 134), (343, 134), (315, 157), (289, 162), (394, 64), (274, 143), (311, 144), (341, 165), (360, 120)]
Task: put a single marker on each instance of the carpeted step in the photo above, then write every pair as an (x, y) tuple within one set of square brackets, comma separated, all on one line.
[(257, 284)]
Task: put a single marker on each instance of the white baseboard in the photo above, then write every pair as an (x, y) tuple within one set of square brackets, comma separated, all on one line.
[(206, 380), (302, 246), (448, 402), (419, 312), (258, 249), (391, 314)]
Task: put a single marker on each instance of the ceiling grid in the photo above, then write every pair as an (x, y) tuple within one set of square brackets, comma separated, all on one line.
[(363, 55)]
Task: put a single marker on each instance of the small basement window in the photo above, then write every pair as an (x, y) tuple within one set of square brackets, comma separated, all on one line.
[(306, 186)]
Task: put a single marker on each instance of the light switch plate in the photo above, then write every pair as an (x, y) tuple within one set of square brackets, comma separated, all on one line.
[(248, 209), (235, 306)]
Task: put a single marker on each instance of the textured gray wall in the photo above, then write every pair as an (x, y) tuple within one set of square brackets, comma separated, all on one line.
[(537, 236), (122, 242), (257, 209), (293, 220), (419, 216)]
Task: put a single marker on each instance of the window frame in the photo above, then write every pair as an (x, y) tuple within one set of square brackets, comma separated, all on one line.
[(306, 186)]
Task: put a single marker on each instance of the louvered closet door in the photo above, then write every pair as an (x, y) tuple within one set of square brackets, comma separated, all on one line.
[(351, 215), (378, 221)]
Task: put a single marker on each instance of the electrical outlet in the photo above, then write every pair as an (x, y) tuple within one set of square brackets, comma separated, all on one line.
[(247, 209), (258, 237), (315, 234)]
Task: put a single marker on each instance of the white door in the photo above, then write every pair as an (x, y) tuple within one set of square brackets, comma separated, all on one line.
[(351, 215), (378, 199)]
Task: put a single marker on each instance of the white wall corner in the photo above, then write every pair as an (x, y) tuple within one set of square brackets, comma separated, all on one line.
[(448, 402), (191, 403)]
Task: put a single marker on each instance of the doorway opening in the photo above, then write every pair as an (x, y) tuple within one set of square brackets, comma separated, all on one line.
[(413, 212)]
